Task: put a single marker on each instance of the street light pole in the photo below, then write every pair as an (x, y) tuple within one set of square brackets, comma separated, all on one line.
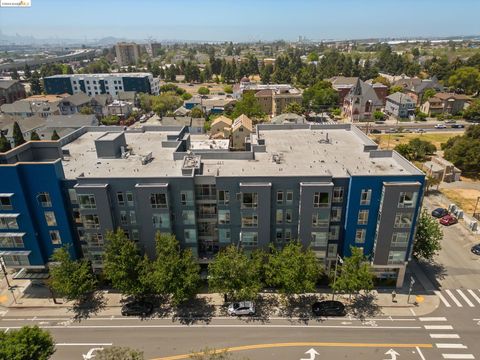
[(338, 258), (4, 270)]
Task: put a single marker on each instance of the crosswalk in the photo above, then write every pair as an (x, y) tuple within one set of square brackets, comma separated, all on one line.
[(446, 340), (460, 298)]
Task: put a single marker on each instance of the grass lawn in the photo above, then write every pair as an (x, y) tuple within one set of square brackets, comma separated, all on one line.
[(395, 139), (464, 198)]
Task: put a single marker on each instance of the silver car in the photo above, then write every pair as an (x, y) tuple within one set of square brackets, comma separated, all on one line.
[(241, 308)]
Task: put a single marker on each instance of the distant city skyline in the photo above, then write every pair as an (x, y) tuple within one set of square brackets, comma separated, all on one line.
[(246, 20)]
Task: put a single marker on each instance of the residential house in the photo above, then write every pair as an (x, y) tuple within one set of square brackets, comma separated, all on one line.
[(288, 118), (400, 105), (343, 85), (130, 96), (99, 104), (123, 109), (241, 129), (445, 103), (24, 108), (220, 127), (11, 91), (194, 125), (361, 102), (74, 103), (442, 169), (27, 126), (416, 87)]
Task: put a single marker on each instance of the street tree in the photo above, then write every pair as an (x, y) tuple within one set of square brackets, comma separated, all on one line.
[(35, 83), (429, 93), (197, 113), (320, 97), (235, 274), (34, 136), (428, 237), (17, 135), (4, 143), (248, 105), (55, 135), (119, 353), (174, 272), (432, 181), (202, 90), (71, 279), (27, 343), (464, 151), (294, 108), (124, 266), (292, 270), (228, 89), (466, 78), (473, 111), (355, 274)]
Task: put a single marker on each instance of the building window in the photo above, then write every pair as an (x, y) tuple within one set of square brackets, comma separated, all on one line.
[(50, 218), (188, 217), (223, 197), (289, 197), (87, 202), (94, 239), (55, 237), (186, 198), (8, 221), (337, 194), (126, 233), (319, 239), (135, 235), (16, 260), (320, 219), (190, 236), (403, 220), (336, 214), (207, 211), (332, 251), (120, 199), (249, 220), (161, 221), (400, 239), (11, 240), (133, 217), (396, 257), (288, 216), (6, 202), (279, 197), (129, 196), (360, 236), (158, 201), (72, 194), (407, 199), (362, 217), (334, 233), (123, 218), (249, 200), (224, 236), (249, 238), (288, 234), (365, 196), (320, 199), (279, 216), (279, 235), (91, 221), (205, 192), (44, 199), (224, 217)]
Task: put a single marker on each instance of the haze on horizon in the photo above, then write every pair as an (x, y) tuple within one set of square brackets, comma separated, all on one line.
[(246, 20)]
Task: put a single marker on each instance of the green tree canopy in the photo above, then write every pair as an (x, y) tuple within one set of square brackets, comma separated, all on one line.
[(86, 110), (355, 273), (111, 120), (202, 90), (416, 149), (55, 135), (292, 270), (72, 279), (248, 105), (428, 237), (473, 111), (119, 353), (197, 113), (294, 108), (464, 151), (35, 84), (4, 143), (17, 135), (320, 97), (34, 136), (228, 89), (168, 88), (382, 80), (313, 56), (27, 343), (235, 274), (428, 93), (466, 78)]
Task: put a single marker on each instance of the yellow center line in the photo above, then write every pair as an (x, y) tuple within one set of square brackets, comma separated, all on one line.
[(300, 344)]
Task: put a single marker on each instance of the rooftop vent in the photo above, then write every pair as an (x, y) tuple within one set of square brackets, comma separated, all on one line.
[(147, 158)]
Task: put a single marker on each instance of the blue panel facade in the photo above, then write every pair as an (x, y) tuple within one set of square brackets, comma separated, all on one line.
[(138, 84), (57, 85)]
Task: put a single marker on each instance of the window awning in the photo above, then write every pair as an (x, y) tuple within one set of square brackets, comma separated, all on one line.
[(6, 194), (13, 252), (12, 234), (9, 215)]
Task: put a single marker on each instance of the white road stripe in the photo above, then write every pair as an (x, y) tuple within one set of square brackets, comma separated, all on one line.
[(442, 298), (84, 344), (6, 330), (420, 353), (445, 336), (475, 296), (433, 319), (455, 300), (438, 327), (467, 300), (458, 356), (450, 346)]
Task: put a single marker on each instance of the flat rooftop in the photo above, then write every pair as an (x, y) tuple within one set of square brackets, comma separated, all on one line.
[(288, 152), (100, 75)]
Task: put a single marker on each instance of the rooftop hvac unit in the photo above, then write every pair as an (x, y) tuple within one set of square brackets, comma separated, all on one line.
[(147, 158), (473, 225), (452, 207)]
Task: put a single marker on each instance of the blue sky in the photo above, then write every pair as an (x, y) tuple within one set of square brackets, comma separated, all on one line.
[(242, 20)]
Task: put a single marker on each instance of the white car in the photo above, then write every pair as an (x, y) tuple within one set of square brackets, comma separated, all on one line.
[(440, 126), (241, 308)]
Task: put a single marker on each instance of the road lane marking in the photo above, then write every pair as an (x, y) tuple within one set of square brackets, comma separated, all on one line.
[(442, 298), (450, 346), (420, 353), (475, 296), (438, 327), (458, 356), (413, 312), (6, 330), (455, 300), (445, 336), (299, 344), (433, 319), (467, 300), (84, 344)]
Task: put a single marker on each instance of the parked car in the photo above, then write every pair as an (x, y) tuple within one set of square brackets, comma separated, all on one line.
[(439, 212), (440, 126), (419, 130), (375, 131), (390, 131), (448, 220), (328, 308), (476, 249), (241, 308), (137, 308), (458, 126), (450, 121)]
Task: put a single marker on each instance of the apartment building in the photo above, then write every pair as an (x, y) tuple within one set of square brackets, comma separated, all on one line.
[(127, 53), (326, 185), (95, 84)]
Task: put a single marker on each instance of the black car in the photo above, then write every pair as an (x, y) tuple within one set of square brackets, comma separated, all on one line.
[(458, 126), (375, 131), (328, 308), (137, 308), (439, 212), (476, 249)]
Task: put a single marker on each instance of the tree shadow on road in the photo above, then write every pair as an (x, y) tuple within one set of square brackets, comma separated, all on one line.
[(266, 306), (434, 271), (364, 306), (194, 311), (298, 308), (90, 305)]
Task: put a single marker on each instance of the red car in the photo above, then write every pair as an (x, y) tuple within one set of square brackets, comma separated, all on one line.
[(448, 220)]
